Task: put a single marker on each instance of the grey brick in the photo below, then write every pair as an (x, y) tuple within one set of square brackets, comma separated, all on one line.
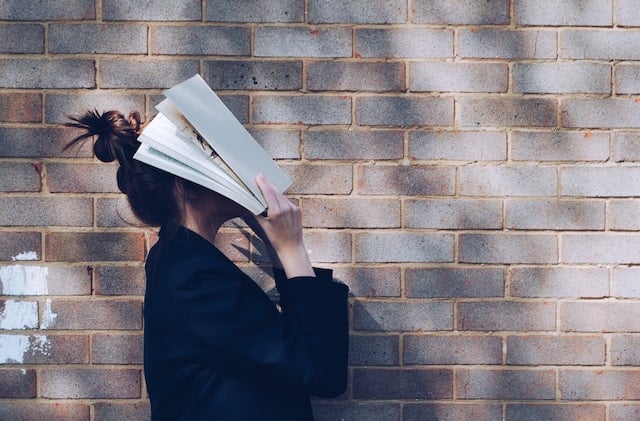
[(47, 74), (143, 73), (370, 12), (560, 282), (458, 145), (309, 109), (116, 410), (404, 111), (116, 349), (14, 244), (562, 78), (302, 42), (18, 177), (453, 214), (254, 75), (452, 411), (458, 77), (58, 106), (351, 213), (498, 181), (47, 10), (119, 280), (79, 383), (507, 316), (625, 282), (623, 215), (601, 113), (538, 384), (354, 144), (403, 247), (564, 12), (625, 350), (506, 111), (600, 45), (450, 350), (355, 76), (279, 144), (590, 181), (555, 215), (320, 179), (454, 282), (559, 145), (627, 79), (537, 411), (22, 38), (599, 384), (97, 38), (201, 40), (373, 350), (600, 248), (329, 246), (39, 142), (507, 44), (391, 384), (261, 11), (627, 13), (508, 248), (369, 281), (23, 107), (326, 410), (624, 411), (599, 316), (405, 180), (461, 12), (404, 43), (115, 212), (46, 211), (145, 10), (76, 178)]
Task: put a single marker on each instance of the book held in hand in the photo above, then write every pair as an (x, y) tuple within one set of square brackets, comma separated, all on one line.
[(194, 136)]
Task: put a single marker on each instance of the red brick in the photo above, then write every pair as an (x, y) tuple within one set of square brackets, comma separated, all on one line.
[(19, 177), (17, 383), (20, 108), (27, 410), (14, 245), (96, 315), (116, 349), (41, 349), (94, 246), (79, 383)]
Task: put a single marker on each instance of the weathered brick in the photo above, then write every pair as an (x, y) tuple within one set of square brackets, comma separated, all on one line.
[(626, 13), (30, 279), (94, 246), (90, 38), (454, 282), (505, 384), (403, 247), (627, 79), (559, 145), (565, 12), (254, 75), (25, 142), (404, 43), (600, 248), (562, 78), (328, 246), (458, 145), (348, 213), (373, 350), (599, 44), (311, 109), (389, 384), (586, 411), (20, 108), (39, 73), (261, 11), (119, 280), (18, 177), (371, 12), (278, 41), (559, 282), (506, 315), (90, 383), (458, 77), (451, 350), (461, 12), (507, 44), (404, 111), (116, 349), (115, 212), (599, 316), (22, 39), (598, 384), (59, 106), (588, 181), (88, 178), (325, 410), (624, 282), (617, 113), (96, 315), (27, 410), (355, 76), (452, 214), (508, 248), (48, 211), (625, 350), (555, 350), (279, 144), (145, 73), (20, 245), (402, 316), (18, 383), (499, 181), (44, 11), (626, 146), (353, 144), (145, 10), (405, 180), (106, 411), (18, 314), (501, 111), (320, 179), (200, 40), (624, 411), (40, 349), (555, 214), (370, 281)]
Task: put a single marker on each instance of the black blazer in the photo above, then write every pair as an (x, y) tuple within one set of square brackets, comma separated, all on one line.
[(216, 347)]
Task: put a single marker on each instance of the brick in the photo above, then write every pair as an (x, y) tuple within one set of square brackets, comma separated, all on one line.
[(562, 78), (565, 13), (387, 384), (402, 111), (555, 350), (507, 44), (624, 411), (454, 282), (405, 180), (626, 146), (25, 279), (302, 110), (599, 384), (261, 11), (506, 315), (79, 383), (599, 44), (30, 410), (40, 349), (22, 39), (18, 177), (97, 38), (370, 281), (618, 113), (36, 73), (320, 179), (145, 73), (458, 77), (403, 247), (624, 282), (86, 178), (48, 211), (94, 246), (582, 411), (234, 245), (16, 383), (589, 181), (374, 11), (555, 215), (105, 411), (452, 411), (157, 10), (404, 43), (505, 384), (353, 144), (458, 145), (600, 248), (402, 316), (559, 145), (279, 144), (59, 106), (451, 350), (96, 315), (594, 316), (200, 40), (355, 76), (500, 181), (627, 79), (18, 314), (461, 12), (625, 350), (119, 280), (381, 350), (351, 411), (278, 41), (559, 282), (453, 214), (254, 75), (115, 212), (348, 213), (328, 246), (24, 142), (20, 245), (20, 108), (116, 349), (626, 13), (45, 11), (501, 111)]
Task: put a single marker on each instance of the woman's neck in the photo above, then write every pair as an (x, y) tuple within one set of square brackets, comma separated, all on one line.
[(204, 225)]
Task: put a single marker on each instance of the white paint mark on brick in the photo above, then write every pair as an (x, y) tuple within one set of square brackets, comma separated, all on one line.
[(19, 315), (13, 348), (48, 317), (26, 255), (24, 280)]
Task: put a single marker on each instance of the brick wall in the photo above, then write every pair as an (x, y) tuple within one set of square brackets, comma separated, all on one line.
[(470, 168)]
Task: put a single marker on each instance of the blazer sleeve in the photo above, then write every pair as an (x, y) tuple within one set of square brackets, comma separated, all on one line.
[(234, 327)]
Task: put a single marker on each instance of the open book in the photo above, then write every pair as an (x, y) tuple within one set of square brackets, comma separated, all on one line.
[(196, 137)]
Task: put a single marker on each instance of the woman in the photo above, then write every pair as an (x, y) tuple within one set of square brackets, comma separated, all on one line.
[(216, 348)]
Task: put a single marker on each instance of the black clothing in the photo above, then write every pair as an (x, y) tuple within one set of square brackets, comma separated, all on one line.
[(216, 347)]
